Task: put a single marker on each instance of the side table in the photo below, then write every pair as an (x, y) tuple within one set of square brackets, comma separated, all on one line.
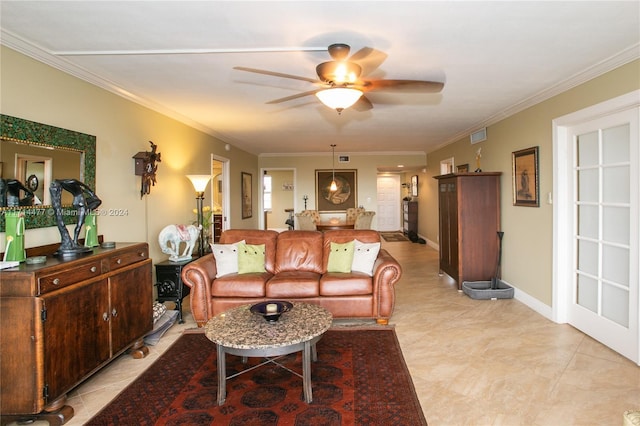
[(169, 283)]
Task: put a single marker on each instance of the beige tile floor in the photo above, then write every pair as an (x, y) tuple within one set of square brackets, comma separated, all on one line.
[(473, 362)]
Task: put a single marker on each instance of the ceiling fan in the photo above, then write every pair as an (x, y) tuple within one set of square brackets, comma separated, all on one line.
[(342, 81)]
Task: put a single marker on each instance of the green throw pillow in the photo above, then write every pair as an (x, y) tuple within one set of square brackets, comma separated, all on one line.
[(340, 257), (250, 258)]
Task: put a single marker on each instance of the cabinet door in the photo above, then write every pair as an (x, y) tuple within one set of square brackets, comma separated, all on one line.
[(20, 349), (448, 203), (131, 305), (76, 334)]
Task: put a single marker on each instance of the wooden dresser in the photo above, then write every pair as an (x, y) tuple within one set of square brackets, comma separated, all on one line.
[(63, 320), (409, 216), (469, 221)]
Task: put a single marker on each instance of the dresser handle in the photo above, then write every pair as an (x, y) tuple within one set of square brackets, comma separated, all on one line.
[(93, 269), (119, 261), (105, 316), (114, 313), (56, 281), (141, 254)]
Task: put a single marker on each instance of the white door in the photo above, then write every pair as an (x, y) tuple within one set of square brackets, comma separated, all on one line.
[(388, 216), (603, 181)]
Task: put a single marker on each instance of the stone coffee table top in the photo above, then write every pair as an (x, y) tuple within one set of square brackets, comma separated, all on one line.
[(239, 328)]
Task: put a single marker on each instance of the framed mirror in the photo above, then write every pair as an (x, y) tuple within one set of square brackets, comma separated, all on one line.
[(35, 154)]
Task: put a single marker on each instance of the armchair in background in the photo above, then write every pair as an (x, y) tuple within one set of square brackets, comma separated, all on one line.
[(305, 222), (363, 221), (352, 213)]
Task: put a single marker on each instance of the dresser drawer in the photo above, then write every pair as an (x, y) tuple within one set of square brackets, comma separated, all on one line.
[(58, 280), (127, 258)]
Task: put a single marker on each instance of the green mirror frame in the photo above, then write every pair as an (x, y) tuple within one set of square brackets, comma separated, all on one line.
[(30, 132)]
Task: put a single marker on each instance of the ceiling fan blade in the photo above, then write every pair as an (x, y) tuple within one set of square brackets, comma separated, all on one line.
[(277, 74), (404, 85), (369, 59), (362, 104), (296, 96)]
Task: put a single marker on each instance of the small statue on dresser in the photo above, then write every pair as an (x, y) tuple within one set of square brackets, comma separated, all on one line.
[(84, 200)]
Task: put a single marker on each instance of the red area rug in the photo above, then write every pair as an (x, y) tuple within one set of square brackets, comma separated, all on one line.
[(360, 379)]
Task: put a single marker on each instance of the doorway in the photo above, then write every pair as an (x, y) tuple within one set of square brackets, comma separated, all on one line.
[(278, 198), (596, 225), (219, 196), (389, 194)]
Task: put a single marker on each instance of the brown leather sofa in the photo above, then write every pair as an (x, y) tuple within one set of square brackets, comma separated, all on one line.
[(296, 270)]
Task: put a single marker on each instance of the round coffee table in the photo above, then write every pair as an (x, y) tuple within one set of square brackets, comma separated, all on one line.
[(242, 333)]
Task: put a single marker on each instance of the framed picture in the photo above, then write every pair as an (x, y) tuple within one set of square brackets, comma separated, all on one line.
[(414, 185), (463, 168), (526, 187), (247, 208), (344, 197)]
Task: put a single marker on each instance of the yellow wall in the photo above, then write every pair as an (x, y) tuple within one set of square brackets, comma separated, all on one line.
[(527, 255), (37, 92)]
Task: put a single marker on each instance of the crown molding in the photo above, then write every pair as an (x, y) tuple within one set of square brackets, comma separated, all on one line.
[(619, 59)]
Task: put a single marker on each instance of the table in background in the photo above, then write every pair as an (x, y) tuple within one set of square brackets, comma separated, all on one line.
[(326, 226)]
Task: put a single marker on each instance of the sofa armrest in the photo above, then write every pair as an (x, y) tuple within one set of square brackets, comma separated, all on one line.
[(386, 272), (199, 275)]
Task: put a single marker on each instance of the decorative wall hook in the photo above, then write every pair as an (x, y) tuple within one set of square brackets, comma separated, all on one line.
[(146, 167)]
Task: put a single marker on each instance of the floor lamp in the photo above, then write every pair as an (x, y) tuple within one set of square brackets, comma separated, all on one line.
[(200, 184)]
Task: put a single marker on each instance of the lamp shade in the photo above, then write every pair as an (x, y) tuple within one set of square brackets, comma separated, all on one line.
[(339, 97), (199, 182)]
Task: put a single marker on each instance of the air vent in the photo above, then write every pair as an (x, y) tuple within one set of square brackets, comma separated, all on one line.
[(479, 136)]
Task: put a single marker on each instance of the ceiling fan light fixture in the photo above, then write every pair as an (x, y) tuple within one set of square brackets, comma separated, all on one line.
[(339, 98)]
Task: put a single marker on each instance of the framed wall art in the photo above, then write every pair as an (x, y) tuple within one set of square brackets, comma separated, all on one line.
[(414, 185), (526, 187), (462, 168), (247, 207), (342, 198)]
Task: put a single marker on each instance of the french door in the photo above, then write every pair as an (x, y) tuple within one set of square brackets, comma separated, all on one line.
[(602, 230)]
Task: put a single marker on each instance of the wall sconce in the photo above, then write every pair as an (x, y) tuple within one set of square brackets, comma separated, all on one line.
[(200, 184)]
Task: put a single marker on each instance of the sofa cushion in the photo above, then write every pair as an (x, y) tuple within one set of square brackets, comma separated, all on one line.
[(340, 257), (299, 251), (240, 285), (254, 236), (364, 257), (293, 284), (250, 258), (338, 284), (226, 256)]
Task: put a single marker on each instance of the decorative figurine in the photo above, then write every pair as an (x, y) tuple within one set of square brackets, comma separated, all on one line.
[(10, 194), (478, 156), (84, 200), (172, 235)]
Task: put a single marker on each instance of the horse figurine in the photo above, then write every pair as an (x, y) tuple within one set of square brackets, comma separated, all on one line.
[(172, 235)]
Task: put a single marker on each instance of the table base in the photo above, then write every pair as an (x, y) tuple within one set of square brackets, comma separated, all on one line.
[(309, 353)]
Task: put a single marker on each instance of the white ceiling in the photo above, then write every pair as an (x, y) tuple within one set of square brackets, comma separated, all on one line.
[(495, 58)]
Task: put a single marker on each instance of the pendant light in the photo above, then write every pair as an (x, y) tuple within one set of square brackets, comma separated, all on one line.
[(334, 186)]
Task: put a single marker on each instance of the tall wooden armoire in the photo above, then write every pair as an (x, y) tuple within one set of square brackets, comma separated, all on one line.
[(469, 220)]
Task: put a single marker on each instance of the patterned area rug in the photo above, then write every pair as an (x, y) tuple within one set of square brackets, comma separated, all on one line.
[(360, 379), (391, 237)]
